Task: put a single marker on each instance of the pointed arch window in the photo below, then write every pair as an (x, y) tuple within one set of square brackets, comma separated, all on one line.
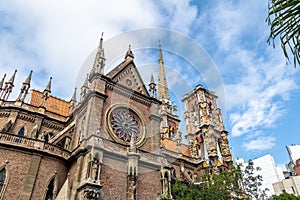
[(2, 178), (48, 136), (21, 132), (50, 190)]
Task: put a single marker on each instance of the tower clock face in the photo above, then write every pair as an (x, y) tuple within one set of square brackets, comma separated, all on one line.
[(124, 124)]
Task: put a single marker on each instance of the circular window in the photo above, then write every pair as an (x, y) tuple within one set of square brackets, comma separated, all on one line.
[(128, 82), (125, 124)]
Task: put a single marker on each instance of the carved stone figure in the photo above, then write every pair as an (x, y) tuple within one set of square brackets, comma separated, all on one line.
[(131, 190), (95, 167)]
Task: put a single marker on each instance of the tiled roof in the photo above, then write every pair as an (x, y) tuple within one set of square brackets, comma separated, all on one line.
[(171, 146), (55, 105)]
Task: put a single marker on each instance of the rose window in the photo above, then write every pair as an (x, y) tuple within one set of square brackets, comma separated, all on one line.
[(125, 124)]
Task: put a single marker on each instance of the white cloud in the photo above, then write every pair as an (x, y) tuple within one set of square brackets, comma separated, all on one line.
[(181, 15), (260, 143), (258, 99), (53, 37), (257, 82)]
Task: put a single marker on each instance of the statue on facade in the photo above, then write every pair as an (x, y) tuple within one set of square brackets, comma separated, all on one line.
[(93, 170), (132, 190)]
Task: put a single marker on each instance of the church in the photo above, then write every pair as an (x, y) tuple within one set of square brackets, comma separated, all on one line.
[(120, 140)]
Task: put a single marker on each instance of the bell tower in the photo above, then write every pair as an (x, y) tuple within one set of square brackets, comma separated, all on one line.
[(205, 131)]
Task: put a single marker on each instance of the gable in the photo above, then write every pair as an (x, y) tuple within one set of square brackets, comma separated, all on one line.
[(126, 74)]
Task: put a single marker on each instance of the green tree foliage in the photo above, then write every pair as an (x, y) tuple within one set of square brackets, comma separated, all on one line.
[(285, 196), (284, 21), (235, 184), (250, 182)]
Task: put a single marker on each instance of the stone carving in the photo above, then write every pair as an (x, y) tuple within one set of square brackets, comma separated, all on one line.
[(132, 190), (224, 147), (92, 193), (94, 168)]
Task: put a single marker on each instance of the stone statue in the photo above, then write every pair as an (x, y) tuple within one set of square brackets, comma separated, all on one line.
[(95, 169), (131, 190)]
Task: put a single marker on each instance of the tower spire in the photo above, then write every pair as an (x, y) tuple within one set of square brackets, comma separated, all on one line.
[(1, 82), (12, 78), (84, 87), (8, 87), (46, 94), (99, 62), (161, 60), (73, 100), (48, 87), (152, 86), (163, 91), (25, 87), (129, 53)]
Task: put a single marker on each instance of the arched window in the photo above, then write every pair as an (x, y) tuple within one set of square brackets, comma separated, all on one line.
[(50, 190), (48, 137), (2, 178), (21, 132)]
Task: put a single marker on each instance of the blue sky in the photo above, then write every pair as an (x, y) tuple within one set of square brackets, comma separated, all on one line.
[(261, 93)]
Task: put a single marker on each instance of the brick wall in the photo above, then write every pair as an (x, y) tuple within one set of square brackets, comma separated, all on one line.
[(49, 168), (18, 165)]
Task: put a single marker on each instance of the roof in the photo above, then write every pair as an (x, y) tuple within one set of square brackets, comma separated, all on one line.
[(172, 146), (55, 105)]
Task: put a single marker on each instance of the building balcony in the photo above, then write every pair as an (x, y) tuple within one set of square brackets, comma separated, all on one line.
[(33, 144)]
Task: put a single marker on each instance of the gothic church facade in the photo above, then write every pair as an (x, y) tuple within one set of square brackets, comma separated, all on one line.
[(120, 140)]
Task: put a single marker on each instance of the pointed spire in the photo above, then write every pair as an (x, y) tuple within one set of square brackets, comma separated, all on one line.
[(46, 94), (152, 87), (73, 100), (129, 53), (74, 95), (160, 59), (48, 87), (25, 87), (86, 82), (8, 87), (84, 88), (163, 91), (28, 79), (2, 81), (99, 61), (12, 78)]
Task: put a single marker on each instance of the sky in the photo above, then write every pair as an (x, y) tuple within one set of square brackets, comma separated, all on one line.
[(219, 44)]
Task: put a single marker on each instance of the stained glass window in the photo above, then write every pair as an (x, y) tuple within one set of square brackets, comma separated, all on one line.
[(2, 178), (21, 132), (50, 190)]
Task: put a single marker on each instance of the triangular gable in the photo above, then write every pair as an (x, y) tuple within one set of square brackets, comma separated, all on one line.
[(126, 74)]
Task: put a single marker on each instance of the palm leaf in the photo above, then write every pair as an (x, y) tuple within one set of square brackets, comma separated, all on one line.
[(284, 21)]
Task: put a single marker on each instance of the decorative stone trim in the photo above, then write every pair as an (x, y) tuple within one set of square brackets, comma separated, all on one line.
[(52, 125), (4, 114), (122, 121), (129, 94), (26, 118)]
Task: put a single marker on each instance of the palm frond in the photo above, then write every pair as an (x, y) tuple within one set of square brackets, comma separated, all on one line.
[(284, 21)]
